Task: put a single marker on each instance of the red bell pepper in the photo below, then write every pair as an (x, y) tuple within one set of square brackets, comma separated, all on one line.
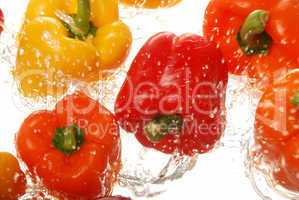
[(173, 96), (1, 21), (74, 149), (258, 38)]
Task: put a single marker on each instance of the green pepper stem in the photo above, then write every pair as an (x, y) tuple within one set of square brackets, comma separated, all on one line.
[(68, 139), (160, 126), (253, 38), (78, 25), (295, 99), (70, 142), (254, 24), (83, 15)]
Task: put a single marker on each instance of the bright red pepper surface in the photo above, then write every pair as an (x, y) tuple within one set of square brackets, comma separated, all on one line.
[(90, 170), (173, 75), (276, 130), (223, 21)]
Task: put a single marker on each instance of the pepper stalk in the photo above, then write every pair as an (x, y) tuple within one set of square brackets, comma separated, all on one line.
[(160, 126), (252, 38), (68, 139), (78, 25)]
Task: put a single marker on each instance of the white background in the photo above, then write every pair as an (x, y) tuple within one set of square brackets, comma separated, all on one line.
[(218, 175)]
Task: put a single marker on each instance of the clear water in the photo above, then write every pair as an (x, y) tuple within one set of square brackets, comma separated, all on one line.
[(140, 176)]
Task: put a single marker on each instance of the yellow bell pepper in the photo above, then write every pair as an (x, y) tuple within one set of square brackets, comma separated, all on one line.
[(151, 3), (63, 40)]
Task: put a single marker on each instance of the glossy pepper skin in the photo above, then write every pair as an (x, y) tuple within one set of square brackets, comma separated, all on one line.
[(152, 4), (173, 96), (74, 149), (12, 179), (50, 54), (276, 130), (253, 19)]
